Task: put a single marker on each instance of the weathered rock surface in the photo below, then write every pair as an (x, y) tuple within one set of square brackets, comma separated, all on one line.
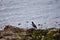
[(14, 33)]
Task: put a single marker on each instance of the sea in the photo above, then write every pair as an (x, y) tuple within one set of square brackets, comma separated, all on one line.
[(21, 13)]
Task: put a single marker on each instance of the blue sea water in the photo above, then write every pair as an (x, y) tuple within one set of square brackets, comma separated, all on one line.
[(45, 12)]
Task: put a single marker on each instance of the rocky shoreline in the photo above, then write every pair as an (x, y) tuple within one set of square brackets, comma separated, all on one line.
[(15, 33)]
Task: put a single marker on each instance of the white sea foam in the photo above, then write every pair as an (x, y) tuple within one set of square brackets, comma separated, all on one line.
[(13, 12)]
